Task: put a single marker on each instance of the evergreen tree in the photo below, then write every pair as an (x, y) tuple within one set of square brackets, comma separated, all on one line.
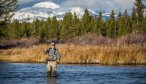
[(144, 26), (139, 10), (101, 25), (53, 28), (127, 23), (133, 14), (48, 21), (10, 31), (66, 31), (6, 6), (26, 30), (92, 25), (120, 24), (14, 30), (76, 26), (85, 22), (36, 27), (134, 19), (43, 32), (111, 25), (139, 14), (98, 24)]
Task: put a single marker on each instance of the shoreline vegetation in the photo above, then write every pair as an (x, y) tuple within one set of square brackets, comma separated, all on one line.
[(78, 51)]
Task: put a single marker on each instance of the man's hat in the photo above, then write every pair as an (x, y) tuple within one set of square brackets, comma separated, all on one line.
[(53, 43)]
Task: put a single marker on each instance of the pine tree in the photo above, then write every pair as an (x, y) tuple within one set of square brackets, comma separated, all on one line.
[(139, 10), (144, 26), (111, 25), (134, 19), (133, 14), (10, 31), (101, 29), (48, 21), (26, 30), (53, 28), (139, 14), (85, 22), (120, 24), (66, 31), (76, 25), (98, 30), (92, 25), (36, 27), (127, 23), (43, 32), (14, 30), (6, 7)]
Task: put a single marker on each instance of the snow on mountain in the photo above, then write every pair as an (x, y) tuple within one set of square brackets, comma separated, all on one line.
[(93, 12), (47, 5), (106, 14), (43, 10), (79, 11), (31, 15)]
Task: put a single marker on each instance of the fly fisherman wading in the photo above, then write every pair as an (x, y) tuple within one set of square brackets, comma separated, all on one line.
[(52, 59)]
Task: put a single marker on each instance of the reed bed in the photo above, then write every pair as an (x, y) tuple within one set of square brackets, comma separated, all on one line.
[(79, 54)]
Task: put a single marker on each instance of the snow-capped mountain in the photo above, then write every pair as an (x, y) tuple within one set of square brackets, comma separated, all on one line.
[(43, 10), (79, 11), (46, 5)]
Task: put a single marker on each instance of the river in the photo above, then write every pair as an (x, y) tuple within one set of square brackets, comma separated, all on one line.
[(30, 73)]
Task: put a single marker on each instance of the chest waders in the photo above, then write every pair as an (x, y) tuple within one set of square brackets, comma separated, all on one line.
[(52, 62)]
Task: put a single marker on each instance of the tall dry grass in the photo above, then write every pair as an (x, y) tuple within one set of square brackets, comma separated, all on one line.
[(70, 53)]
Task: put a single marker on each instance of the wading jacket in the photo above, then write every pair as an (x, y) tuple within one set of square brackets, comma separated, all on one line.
[(53, 54)]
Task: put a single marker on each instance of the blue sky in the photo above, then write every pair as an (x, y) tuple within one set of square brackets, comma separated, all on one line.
[(104, 5)]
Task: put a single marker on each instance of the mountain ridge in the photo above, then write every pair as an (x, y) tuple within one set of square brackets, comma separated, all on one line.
[(43, 10)]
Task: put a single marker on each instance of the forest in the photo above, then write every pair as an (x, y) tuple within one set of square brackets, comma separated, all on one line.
[(71, 26)]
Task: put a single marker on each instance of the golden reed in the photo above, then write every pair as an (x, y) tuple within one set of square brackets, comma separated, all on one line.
[(75, 54)]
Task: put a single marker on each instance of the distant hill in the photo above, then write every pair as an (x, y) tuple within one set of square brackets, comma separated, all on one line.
[(43, 10)]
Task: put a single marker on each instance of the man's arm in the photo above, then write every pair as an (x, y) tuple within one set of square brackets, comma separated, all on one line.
[(58, 55), (46, 51)]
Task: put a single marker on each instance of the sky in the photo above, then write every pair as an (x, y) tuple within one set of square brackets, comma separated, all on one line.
[(100, 5)]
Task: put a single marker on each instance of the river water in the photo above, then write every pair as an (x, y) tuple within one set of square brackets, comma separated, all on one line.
[(25, 73)]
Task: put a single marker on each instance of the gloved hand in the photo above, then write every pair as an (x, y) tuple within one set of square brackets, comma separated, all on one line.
[(58, 61), (45, 51)]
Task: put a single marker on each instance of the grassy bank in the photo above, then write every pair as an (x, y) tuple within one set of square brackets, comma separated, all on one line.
[(133, 54)]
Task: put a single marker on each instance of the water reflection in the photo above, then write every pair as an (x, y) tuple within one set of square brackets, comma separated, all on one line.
[(52, 80)]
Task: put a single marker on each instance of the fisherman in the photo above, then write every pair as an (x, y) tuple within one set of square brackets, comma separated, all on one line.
[(52, 59)]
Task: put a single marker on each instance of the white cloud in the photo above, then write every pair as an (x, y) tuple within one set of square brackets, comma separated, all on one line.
[(104, 5), (28, 3), (25, 1)]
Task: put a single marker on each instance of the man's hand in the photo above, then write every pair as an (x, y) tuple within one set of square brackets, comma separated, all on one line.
[(45, 52), (45, 49), (58, 61)]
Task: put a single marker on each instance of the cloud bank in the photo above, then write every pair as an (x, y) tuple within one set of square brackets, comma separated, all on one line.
[(104, 5), (28, 3), (99, 5)]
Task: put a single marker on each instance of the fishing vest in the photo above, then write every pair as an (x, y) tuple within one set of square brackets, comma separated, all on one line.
[(52, 56)]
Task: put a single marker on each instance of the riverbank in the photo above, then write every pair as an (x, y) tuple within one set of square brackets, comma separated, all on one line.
[(79, 54)]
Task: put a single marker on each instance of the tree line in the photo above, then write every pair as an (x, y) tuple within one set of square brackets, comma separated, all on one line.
[(72, 26)]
